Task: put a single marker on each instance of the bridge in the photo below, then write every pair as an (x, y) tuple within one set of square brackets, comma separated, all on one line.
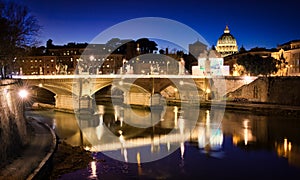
[(75, 91)]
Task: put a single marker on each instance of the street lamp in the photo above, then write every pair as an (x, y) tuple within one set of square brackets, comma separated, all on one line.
[(168, 62), (23, 93)]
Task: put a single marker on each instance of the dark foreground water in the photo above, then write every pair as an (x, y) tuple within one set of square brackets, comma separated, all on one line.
[(234, 145)]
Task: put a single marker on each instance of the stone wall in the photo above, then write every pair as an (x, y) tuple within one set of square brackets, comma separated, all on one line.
[(224, 85), (284, 90), (13, 129), (276, 90)]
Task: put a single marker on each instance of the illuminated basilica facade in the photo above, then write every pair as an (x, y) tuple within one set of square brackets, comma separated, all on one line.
[(226, 44)]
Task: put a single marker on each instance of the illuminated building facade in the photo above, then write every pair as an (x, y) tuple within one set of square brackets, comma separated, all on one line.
[(94, 59), (289, 55), (227, 44)]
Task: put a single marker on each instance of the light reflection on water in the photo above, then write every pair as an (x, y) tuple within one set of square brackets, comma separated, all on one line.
[(241, 141)]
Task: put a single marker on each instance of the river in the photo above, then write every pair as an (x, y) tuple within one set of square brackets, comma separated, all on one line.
[(168, 144)]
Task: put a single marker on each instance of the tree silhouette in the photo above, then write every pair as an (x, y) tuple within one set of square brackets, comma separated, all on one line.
[(257, 65), (242, 49), (161, 51), (18, 30), (146, 46)]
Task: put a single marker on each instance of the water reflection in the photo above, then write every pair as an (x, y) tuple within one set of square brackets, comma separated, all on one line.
[(245, 131), (64, 124), (284, 149), (119, 131), (209, 133), (93, 170)]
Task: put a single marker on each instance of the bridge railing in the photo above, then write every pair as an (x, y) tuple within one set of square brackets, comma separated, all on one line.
[(111, 76)]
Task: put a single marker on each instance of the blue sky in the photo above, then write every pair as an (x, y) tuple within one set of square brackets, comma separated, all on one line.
[(254, 23)]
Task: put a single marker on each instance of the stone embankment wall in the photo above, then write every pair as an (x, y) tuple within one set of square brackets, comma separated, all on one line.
[(276, 90), (13, 129), (224, 85)]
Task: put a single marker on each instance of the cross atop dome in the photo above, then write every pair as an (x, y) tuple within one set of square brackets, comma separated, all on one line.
[(226, 29)]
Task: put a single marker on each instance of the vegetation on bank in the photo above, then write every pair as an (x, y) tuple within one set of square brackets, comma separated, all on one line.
[(68, 159)]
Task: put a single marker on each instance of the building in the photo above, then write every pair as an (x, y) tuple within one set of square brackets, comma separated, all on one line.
[(35, 65), (69, 59), (289, 55), (227, 44), (116, 57), (197, 48)]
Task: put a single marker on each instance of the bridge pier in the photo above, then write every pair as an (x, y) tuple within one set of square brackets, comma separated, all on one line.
[(133, 98), (142, 99), (64, 102)]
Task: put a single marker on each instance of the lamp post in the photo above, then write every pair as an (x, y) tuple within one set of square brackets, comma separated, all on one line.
[(92, 58), (168, 62)]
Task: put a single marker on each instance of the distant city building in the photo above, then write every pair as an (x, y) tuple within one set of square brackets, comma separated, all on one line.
[(289, 55), (197, 48), (115, 57), (227, 44), (69, 59)]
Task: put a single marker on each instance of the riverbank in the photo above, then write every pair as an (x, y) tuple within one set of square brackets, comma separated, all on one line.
[(68, 159), (34, 162), (247, 106)]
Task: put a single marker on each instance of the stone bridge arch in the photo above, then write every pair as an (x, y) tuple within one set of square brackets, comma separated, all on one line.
[(62, 88), (66, 87)]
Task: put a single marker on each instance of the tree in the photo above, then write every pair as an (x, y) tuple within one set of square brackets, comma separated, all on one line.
[(146, 46), (242, 49), (49, 44), (257, 65), (161, 51), (18, 30)]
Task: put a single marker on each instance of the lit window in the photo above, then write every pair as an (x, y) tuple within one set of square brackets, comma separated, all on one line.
[(107, 65), (35, 60), (52, 60), (23, 60), (40, 60), (31, 60), (71, 59)]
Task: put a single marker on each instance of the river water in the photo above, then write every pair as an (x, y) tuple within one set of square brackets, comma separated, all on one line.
[(168, 144)]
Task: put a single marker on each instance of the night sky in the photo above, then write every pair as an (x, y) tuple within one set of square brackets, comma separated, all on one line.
[(254, 23)]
